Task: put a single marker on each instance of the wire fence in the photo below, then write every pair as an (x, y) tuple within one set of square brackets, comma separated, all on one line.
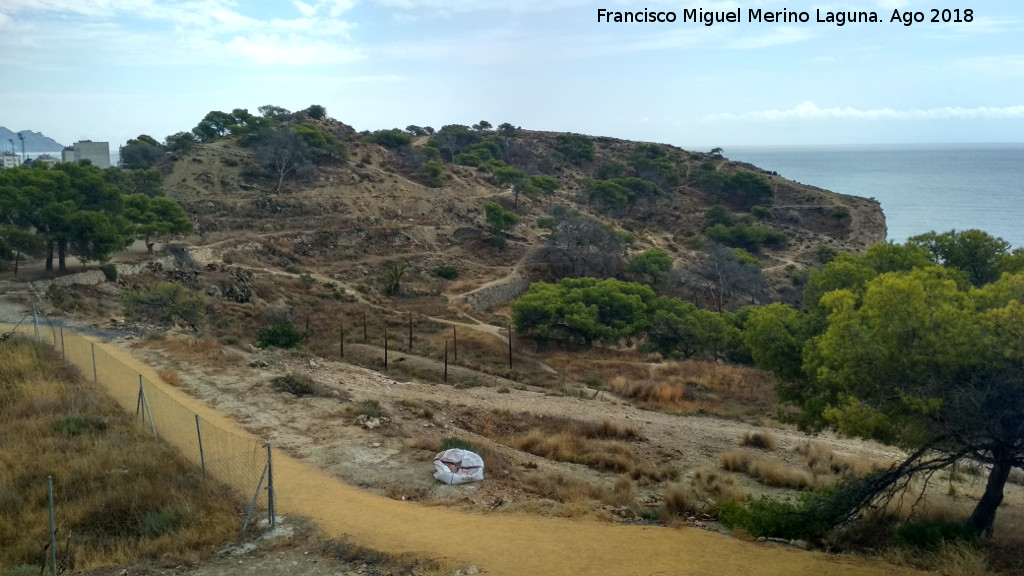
[(241, 462)]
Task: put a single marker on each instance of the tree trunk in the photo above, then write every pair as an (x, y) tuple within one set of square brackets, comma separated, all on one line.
[(149, 245), (49, 257), (984, 515), (62, 254), (17, 258)]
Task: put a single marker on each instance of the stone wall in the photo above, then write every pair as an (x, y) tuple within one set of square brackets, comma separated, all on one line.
[(496, 294)]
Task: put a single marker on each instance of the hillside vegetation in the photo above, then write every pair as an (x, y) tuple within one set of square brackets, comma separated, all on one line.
[(119, 494), (613, 272)]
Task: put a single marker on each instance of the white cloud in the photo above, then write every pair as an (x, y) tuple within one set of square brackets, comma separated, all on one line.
[(306, 9), (292, 49), (809, 111)]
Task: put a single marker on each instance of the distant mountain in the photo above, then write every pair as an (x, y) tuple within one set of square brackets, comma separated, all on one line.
[(35, 142)]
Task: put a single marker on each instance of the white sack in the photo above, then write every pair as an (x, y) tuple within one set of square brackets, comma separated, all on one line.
[(457, 466)]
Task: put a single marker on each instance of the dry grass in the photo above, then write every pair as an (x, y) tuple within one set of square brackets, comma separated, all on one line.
[(823, 461), (603, 446), (695, 387), (171, 377), (954, 558), (190, 349), (767, 471), (122, 494), (702, 496), (762, 440), (1016, 477)]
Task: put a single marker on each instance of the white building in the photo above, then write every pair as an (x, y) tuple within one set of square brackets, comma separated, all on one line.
[(96, 152), (9, 160)]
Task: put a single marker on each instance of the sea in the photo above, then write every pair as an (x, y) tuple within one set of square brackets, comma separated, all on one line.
[(921, 188)]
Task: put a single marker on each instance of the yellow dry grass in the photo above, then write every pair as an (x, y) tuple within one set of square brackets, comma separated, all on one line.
[(696, 387), (120, 494)]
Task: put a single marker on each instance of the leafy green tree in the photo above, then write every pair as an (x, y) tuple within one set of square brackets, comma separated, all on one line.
[(607, 195), (433, 171), (501, 220), (976, 253), (155, 217), (454, 139), (180, 141), (142, 153), (679, 329), (283, 152), (651, 162), (582, 311), (545, 185), (651, 265), (775, 335), (575, 148), (271, 111), (919, 362), (507, 130), (482, 126), (316, 112), (391, 139)]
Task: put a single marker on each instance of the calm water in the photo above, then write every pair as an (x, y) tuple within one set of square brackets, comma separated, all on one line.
[(921, 187)]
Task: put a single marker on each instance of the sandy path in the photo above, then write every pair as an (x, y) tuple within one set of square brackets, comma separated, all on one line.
[(507, 544)]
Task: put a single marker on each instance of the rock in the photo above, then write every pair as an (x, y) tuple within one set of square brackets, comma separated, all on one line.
[(472, 570), (312, 363), (799, 544), (371, 423), (258, 363)]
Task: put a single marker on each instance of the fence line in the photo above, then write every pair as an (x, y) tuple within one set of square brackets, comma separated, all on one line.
[(238, 461)]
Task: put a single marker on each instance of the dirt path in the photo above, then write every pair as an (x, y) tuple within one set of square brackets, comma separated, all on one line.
[(510, 544)]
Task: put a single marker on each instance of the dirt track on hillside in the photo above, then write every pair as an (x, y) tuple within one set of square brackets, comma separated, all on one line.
[(518, 544)]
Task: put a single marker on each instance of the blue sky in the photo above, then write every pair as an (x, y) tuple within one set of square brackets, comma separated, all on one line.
[(112, 69)]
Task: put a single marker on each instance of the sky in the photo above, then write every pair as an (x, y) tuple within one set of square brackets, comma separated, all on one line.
[(109, 70)]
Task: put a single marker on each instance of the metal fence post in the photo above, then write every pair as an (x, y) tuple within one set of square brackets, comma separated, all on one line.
[(145, 404), (202, 459), (53, 528), (63, 354), (270, 488), (35, 322)]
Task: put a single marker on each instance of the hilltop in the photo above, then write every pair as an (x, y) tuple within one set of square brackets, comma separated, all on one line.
[(350, 218)]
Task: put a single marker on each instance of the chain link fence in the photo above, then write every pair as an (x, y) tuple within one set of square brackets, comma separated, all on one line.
[(238, 461)]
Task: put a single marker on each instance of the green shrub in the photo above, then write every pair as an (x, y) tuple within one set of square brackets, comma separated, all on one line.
[(826, 253), (454, 442), (372, 409), (295, 384), (499, 242), (77, 425), (165, 303), (931, 535), (840, 213), (110, 272), (813, 514), (434, 177), (467, 159), (280, 335), (761, 213), (164, 521), (446, 272)]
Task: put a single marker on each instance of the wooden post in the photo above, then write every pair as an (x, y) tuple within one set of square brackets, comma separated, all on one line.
[(385, 344), (455, 344), (307, 322), (446, 361), (410, 331), (341, 338)]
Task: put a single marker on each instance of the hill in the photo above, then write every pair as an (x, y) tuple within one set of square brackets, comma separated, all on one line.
[(35, 142), (350, 218)]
